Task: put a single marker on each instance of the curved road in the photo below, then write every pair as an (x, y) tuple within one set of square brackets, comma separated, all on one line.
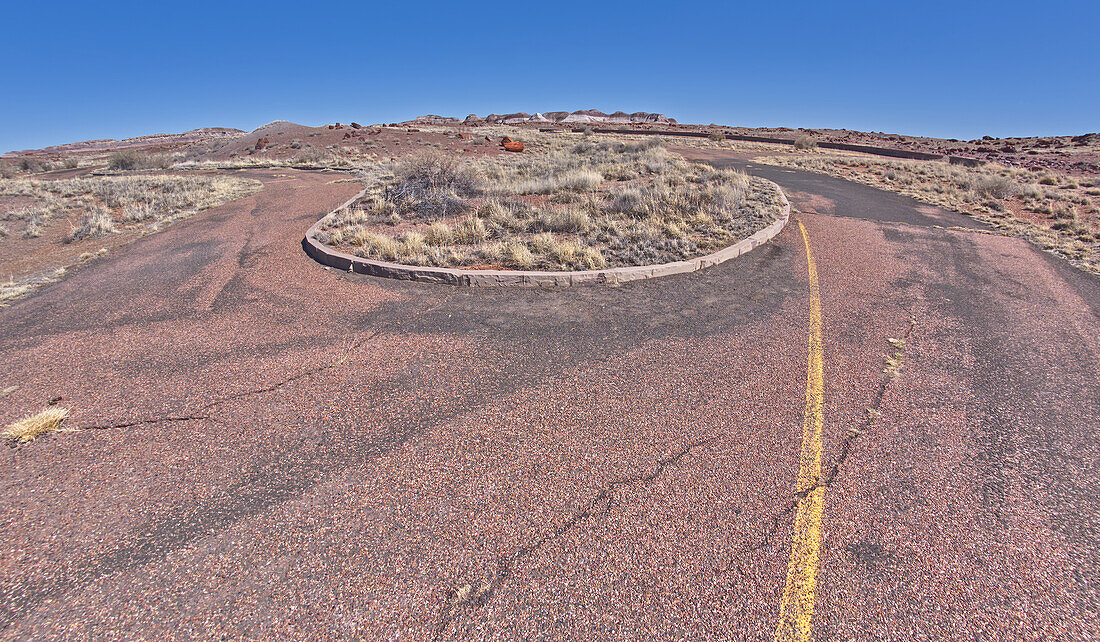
[(273, 449)]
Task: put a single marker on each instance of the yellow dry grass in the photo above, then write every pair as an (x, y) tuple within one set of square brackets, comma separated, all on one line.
[(31, 427)]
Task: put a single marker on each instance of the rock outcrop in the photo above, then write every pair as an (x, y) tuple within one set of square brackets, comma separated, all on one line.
[(433, 119), (579, 116)]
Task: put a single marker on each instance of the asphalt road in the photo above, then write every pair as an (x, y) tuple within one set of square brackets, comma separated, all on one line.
[(274, 449)]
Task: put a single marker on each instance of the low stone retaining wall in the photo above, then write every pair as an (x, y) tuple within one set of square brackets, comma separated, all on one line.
[(332, 257), (866, 149)]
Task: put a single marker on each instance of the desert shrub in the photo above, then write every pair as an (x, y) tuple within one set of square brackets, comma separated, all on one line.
[(94, 224), (994, 186), (34, 227), (126, 159), (432, 184), (717, 136), (805, 143), (1048, 179)]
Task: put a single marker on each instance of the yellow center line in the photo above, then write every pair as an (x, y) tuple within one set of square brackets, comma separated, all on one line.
[(796, 610)]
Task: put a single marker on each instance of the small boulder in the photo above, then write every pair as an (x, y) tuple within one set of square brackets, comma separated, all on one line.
[(355, 126), (513, 146)]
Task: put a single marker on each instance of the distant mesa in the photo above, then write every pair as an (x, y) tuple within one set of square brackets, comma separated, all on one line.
[(432, 119), (203, 133), (581, 116)]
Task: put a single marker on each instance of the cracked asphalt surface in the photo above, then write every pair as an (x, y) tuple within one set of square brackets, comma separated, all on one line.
[(289, 451)]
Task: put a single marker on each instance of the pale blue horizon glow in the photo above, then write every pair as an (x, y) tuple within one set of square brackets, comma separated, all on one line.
[(962, 70)]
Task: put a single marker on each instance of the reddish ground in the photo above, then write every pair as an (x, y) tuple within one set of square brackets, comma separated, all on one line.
[(273, 449)]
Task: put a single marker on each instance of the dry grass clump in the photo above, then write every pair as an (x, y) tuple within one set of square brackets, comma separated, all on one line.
[(1052, 211), (31, 427), (95, 224), (566, 205)]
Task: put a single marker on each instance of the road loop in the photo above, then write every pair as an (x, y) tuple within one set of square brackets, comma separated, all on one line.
[(797, 606)]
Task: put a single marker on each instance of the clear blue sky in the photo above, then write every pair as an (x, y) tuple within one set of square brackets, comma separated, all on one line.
[(76, 71)]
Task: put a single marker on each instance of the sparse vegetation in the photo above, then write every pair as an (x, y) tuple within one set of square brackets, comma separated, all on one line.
[(563, 205), (102, 203), (95, 207), (129, 159)]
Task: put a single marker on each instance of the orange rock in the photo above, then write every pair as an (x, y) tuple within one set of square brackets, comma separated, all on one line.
[(513, 146), (355, 125), (505, 140)]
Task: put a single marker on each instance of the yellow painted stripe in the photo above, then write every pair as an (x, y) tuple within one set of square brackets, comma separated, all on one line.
[(796, 610)]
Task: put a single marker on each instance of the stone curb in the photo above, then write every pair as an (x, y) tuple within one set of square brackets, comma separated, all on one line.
[(531, 279)]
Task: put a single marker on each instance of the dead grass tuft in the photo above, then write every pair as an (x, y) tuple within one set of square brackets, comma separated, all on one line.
[(96, 223), (33, 426)]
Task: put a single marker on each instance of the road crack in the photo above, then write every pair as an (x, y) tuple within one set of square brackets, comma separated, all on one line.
[(891, 371), (355, 345), (201, 413), (469, 598)]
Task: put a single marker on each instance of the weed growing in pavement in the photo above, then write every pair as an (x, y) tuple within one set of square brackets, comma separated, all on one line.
[(33, 426)]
